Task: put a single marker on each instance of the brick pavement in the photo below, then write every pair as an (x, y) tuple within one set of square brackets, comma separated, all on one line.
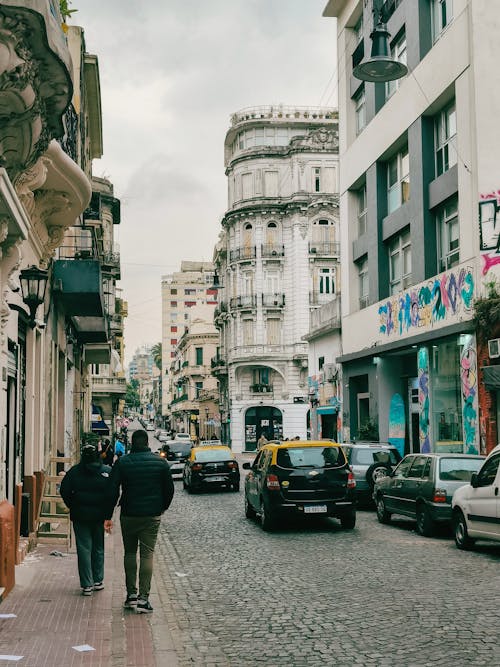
[(52, 617)]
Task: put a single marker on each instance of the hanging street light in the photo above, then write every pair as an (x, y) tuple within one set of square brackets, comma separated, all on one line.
[(380, 66), (33, 285)]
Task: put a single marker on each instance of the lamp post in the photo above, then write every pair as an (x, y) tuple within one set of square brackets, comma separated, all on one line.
[(33, 286), (206, 423), (380, 66)]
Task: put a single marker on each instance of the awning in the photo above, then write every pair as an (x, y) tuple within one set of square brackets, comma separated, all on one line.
[(99, 427), (491, 376), (326, 410)]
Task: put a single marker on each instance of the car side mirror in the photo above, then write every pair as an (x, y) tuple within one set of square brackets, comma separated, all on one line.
[(247, 465), (474, 480)]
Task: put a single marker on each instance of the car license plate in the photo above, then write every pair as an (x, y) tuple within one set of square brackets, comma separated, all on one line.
[(315, 509), (215, 478)]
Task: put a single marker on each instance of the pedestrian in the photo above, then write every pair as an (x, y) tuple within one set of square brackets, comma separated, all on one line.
[(261, 441), (107, 452), (119, 447), (86, 491), (147, 490)]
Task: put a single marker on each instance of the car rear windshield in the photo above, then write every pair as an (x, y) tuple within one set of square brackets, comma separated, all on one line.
[(208, 455), (178, 447), (366, 456), (458, 470), (310, 457)]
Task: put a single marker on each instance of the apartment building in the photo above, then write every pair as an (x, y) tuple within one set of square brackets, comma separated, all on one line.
[(277, 260), (419, 196)]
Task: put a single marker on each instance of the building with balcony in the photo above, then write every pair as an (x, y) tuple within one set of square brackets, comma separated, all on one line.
[(419, 201), (277, 260), (181, 291), (193, 386)]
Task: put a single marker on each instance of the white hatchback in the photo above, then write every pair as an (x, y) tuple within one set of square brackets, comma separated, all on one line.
[(476, 506)]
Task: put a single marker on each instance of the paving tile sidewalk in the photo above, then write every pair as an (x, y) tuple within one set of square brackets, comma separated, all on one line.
[(52, 616)]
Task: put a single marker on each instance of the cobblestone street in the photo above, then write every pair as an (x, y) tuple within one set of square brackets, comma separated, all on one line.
[(316, 595)]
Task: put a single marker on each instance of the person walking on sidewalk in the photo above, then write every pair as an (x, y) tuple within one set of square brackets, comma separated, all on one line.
[(86, 491), (147, 490)]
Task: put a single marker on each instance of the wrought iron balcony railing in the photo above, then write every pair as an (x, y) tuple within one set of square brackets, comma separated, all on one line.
[(272, 250), (273, 300), (246, 301), (245, 252), (261, 388), (324, 249)]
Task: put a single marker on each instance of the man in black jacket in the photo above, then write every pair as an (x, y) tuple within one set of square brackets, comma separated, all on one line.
[(147, 490)]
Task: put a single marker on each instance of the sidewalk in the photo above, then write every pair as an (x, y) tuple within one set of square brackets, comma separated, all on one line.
[(52, 616)]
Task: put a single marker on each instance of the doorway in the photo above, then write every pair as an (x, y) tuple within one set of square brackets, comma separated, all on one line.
[(262, 420)]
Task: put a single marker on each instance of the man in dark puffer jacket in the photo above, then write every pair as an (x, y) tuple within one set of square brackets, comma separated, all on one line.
[(86, 491), (147, 490)]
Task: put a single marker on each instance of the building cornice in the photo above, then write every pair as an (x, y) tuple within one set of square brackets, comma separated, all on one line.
[(302, 202)]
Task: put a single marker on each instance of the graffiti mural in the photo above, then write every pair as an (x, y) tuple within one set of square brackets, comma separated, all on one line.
[(423, 399), (445, 296), (489, 229), (468, 378)]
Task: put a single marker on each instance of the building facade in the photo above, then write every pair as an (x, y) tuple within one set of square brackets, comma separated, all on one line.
[(277, 259), (418, 208), (180, 292)]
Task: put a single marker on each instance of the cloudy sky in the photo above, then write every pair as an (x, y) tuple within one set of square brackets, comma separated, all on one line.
[(171, 74)]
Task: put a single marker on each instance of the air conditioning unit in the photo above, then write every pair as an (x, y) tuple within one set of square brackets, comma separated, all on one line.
[(494, 348)]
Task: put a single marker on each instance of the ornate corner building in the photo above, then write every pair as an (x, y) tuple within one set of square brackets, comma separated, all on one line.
[(277, 260)]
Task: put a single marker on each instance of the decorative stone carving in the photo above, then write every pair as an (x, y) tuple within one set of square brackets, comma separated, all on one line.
[(322, 137), (29, 181), (11, 262), (56, 235)]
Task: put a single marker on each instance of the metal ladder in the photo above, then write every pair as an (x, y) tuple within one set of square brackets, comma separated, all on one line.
[(53, 524)]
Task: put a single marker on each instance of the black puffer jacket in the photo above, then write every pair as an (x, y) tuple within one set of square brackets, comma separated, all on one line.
[(146, 483), (86, 490)]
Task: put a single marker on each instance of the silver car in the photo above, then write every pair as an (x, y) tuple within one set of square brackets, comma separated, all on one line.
[(370, 461)]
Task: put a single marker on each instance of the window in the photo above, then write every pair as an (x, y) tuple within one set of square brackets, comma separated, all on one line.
[(363, 283), (247, 283), (442, 14), (398, 53), (173, 317), (404, 467), (400, 263), (270, 183), (323, 232), (198, 386), (248, 328), (398, 181), (317, 179), (173, 341), (362, 210), (272, 282), (199, 356), (321, 362), (173, 304), (360, 110), (273, 328), (173, 291), (448, 235), (189, 291), (327, 281), (488, 472), (173, 329), (418, 467), (261, 376), (445, 132), (247, 184)]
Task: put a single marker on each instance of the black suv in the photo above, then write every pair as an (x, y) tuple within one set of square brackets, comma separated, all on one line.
[(301, 478)]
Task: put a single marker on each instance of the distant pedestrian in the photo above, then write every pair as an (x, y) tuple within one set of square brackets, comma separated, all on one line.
[(147, 490), (86, 491), (107, 452), (261, 441), (119, 447)]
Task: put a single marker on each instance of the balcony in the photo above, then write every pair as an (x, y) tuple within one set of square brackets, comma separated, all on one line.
[(218, 366), (116, 323), (245, 302), (245, 253), (111, 263), (261, 388), (324, 249), (319, 298), (272, 251), (77, 286), (273, 300), (109, 385)]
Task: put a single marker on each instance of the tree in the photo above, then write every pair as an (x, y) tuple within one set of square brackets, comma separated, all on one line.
[(132, 396), (156, 352)]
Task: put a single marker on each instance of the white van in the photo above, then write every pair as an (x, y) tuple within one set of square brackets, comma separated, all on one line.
[(182, 437), (476, 506)]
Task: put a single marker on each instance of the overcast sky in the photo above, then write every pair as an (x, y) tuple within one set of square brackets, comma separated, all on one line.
[(171, 74)]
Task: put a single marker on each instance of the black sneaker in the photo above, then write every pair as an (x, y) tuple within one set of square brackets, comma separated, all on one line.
[(99, 586), (87, 590), (143, 607), (131, 601)]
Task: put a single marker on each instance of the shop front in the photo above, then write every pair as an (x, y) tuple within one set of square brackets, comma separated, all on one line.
[(262, 420)]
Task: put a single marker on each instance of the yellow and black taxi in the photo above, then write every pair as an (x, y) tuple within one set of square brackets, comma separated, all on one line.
[(300, 478), (211, 466)]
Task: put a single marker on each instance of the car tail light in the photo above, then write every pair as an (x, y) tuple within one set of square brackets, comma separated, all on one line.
[(351, 482), (272, 483), (197, 466), (162, 454), (439, 496), (232, 464)]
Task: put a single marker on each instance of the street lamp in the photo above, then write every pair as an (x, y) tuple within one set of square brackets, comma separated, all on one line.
[(380, 66), (33, 286), (206, 423)]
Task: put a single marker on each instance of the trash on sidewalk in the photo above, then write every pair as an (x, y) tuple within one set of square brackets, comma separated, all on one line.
[(83, 647), (12, 658), (8, 615), (181, 574), (58, 553)]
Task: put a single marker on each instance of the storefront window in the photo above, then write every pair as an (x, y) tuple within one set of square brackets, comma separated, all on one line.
[(446, 398)]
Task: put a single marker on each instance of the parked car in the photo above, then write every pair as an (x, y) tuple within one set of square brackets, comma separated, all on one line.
[(369, 462), (211, 466), (300, 478), (150, 426), (176, 453), (476, 506), (422, 487), (163, 436)]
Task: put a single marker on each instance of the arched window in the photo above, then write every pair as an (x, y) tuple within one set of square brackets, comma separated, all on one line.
[(272, 234), (323, 231)]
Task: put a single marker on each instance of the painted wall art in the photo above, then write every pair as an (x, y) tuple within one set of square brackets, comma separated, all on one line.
[(489, 230), (423, 399)]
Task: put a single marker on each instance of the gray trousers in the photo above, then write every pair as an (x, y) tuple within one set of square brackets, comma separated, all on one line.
[(89, 536), (139, 531)]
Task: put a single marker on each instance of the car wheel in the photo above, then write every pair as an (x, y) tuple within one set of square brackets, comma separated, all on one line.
[(462, 539), (382, 514), (348, 521), (425, 524), (249, 510), (377, 471), (267, 520)]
